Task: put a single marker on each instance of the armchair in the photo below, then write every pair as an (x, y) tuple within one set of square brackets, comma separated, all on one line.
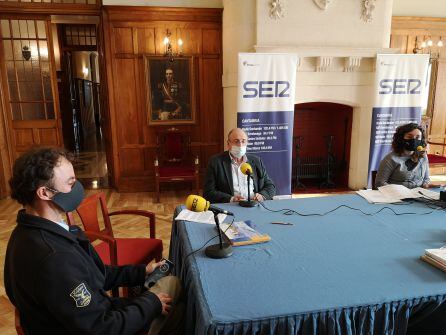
[(112, 250), (174, 161)]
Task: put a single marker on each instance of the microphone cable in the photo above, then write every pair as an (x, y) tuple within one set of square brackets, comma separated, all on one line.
[(206, 243), (287, 211)]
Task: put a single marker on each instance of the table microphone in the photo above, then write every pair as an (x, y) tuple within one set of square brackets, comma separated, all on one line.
[(196, 203), (246, 169)]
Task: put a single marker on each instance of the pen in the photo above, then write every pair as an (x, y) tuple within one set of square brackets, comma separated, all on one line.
[(282, 223)]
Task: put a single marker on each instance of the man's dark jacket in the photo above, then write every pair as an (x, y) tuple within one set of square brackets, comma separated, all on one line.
[(218, 186), (58, 283)]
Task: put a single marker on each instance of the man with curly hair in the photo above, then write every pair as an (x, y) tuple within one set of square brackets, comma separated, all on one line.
[(53, 275)]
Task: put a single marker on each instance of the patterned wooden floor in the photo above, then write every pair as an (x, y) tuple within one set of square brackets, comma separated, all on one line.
[(125, 226)]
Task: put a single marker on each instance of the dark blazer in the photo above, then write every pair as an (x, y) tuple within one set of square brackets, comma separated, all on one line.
[(218, 186)]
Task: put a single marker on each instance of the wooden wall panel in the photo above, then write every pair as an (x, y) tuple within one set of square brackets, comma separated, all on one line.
[(131, 33), (132, 161), (24, 137), (123, 40), (126, 102), (211, 41), (193, 36), (48, 136), (145, 41)]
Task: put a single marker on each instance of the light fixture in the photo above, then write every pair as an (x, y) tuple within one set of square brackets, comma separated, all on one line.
[(85, 71), (168, 50), (426, 46)]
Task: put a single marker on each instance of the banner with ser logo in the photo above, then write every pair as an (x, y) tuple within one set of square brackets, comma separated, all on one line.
[(266, 89), (401, 91)]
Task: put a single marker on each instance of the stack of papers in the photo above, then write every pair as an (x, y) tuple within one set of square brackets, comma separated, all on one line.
[(396, 193), (202, 217), (436, 257)]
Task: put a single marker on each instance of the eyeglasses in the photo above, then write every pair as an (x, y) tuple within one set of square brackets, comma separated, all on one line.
[(52, 189), (237, 141)]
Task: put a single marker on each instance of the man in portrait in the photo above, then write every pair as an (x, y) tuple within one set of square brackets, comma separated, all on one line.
[(167, 102)]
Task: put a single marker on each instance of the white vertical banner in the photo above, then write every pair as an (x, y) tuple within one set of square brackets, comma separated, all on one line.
[(401, 89), (265, 111)]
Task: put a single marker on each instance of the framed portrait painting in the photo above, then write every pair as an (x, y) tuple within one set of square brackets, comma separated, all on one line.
[(170, 90)]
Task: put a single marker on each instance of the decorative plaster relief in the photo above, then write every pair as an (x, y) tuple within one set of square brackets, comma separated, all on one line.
[(323, 63), (368, 6), (352, 63), (276, 9), (323, 4)]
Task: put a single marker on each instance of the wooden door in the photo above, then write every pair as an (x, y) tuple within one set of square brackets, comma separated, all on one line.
[(29, 82)]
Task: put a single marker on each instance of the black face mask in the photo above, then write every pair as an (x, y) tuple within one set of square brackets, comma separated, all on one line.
[(68, 202), (413, 144)]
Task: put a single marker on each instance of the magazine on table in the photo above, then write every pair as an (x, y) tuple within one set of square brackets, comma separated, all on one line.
[(243, 233)]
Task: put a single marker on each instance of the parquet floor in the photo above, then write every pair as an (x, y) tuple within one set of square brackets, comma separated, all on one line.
[(125, 226)]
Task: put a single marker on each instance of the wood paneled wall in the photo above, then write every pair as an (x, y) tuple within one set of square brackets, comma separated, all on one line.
[(129, 34), (405, 32)]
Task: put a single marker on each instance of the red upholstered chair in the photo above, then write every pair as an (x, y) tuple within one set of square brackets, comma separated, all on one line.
[(436, 160), (112, 250), (174, 161)]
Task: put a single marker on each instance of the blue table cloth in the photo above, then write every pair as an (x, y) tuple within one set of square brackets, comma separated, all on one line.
[(342, 273)]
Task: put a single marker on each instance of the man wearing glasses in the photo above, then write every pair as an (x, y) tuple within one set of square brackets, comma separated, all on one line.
[(225, 182)]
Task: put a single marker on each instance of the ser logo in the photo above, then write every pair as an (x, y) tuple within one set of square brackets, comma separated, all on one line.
[(400, 86), (266, 89)]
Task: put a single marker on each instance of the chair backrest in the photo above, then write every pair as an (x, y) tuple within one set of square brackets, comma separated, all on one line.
[(374, 172), (173, 147), (88, 213)]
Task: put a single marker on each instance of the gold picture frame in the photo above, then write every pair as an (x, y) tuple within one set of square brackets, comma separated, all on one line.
[(169, 90)]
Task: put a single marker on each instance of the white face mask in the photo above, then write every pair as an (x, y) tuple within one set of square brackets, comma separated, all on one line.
[(238, 152)]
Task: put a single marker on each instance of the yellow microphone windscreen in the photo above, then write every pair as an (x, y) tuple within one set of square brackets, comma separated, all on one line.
[(246, 168), (196, 203), (420, 148)]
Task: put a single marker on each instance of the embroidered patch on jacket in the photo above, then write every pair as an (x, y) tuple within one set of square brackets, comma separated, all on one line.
[(81, 295)]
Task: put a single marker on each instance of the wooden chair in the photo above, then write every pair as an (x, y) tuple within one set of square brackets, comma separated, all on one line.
[(112, 250), (174, 161)]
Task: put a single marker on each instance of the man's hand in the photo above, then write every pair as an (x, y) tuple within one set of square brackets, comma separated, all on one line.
[(258, 197), (166, 302), (237, 198), (152, 266)]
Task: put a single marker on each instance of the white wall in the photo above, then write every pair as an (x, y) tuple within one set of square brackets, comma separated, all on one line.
[(305, 24), (426, 8), (239, 22), (164, 3)]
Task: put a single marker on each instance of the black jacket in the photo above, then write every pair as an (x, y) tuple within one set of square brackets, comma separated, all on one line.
[(218, 186), (58, 282)]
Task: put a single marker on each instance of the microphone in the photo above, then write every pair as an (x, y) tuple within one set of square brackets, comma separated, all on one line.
[(246, 169), (421, 149), (195, 203)]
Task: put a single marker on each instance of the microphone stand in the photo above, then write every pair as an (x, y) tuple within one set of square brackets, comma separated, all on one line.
[(249, 202), (222, 249)]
